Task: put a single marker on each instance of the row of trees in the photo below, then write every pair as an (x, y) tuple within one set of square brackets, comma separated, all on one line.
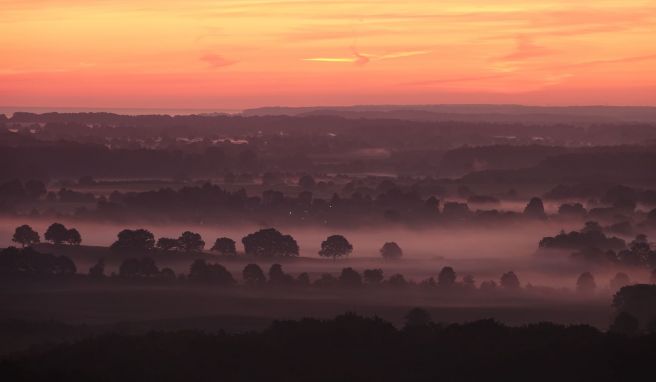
[(56, 233), (267, 242), (591, 245)]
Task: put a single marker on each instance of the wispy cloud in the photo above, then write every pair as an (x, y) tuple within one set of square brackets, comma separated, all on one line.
[(364, 58), (216, 60)]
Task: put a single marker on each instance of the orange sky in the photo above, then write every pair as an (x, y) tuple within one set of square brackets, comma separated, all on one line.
[(241, 53)]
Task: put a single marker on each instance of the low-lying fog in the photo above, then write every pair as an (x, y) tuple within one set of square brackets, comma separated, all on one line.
[(485, 253)]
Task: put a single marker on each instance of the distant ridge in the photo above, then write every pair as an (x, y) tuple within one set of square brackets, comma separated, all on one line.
[(473, 112)]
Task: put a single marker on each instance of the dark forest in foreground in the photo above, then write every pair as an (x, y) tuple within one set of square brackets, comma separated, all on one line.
[(348, 348)]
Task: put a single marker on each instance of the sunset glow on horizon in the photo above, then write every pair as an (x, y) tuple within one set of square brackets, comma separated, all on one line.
[(238, 54)]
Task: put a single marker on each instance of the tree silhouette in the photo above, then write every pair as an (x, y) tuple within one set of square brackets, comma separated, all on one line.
[(191, 242), (447, 277), (586, 283), (373, 276), (535, 209), (56, 233), (270, 243), (138, 268), (303, 279), (73, 237), (25, 236), (201, 271), (253, 275), (97, 271), (335, 246), (225, 246), (278, 277), (139, 240), (391, 250), (639, 300), (625, 324), (350, 278), (509, 280)]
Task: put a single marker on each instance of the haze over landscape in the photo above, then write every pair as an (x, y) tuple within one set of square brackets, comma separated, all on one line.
[(250, 190)]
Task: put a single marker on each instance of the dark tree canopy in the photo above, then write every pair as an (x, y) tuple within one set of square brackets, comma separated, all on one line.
[(270, 243), (225, 246), (139, 240), (56, 233), (335, 246), (25, 236), (586, 283), (27, 262), (391, 250), (535, 209), (509, 280), (638, 300), (447, 277), (204, 272), (373, 276), (97, 271), (73, 237), (138, 268), (253, 275), (191, 242), (350, 278)]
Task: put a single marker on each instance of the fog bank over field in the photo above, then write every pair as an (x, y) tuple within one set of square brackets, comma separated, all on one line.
[(508, 241)]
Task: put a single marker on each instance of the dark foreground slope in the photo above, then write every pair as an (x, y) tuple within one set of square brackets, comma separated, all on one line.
[(348, 348)]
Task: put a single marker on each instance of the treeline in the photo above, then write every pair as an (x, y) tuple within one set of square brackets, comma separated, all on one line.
[(349, 348), (591, 245), (27, 263)]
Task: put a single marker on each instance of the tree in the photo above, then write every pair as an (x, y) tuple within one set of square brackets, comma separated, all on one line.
[(350, 278), (167, 244), (586, 283), (25, 236), (278, 277), (56, 233), (225, 246), (391, 250), (638, 300), (625, 324), (447, 277), (143, 268), (201, 271), (509, 280), (397, 280), (97, 271), (335, 246), (270, 243), (191, 242), (373, 276), (253, 275), (139, 240), (417, 317), (535, 209), (73, 237)]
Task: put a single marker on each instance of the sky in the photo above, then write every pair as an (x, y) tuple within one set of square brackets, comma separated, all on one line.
[(233, 54)]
